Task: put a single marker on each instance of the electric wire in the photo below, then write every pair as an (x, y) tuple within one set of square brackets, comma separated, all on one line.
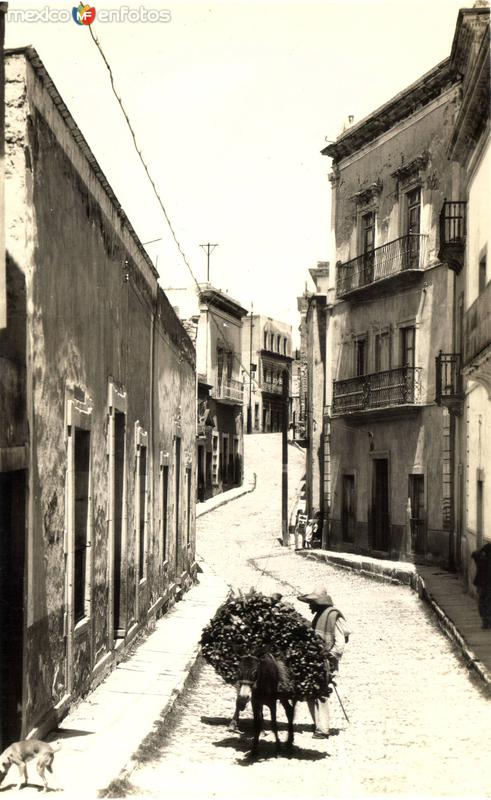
[(153, 185)]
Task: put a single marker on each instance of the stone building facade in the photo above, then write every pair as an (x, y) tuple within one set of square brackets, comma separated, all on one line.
[(464, 371), (220, 392), (266, 355), (386, 444), (97, 419)]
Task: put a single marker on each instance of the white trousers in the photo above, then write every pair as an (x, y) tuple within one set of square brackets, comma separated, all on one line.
[(319, 711)]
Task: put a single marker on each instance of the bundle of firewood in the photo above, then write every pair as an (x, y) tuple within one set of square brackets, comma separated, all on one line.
[(255, 624)]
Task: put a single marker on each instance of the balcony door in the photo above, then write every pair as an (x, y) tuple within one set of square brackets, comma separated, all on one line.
[(413, 227), (380, 524), (368, 244), (361, 356), (382, 351)]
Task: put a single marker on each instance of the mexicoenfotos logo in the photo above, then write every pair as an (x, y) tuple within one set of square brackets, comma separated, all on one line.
[(83, 14)]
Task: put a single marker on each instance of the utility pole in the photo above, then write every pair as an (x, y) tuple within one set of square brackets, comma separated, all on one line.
[(249, 410), (208, 248), (284, 462)]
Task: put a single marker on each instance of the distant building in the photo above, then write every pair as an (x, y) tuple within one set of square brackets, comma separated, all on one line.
[(220, 392), (266, 355), (297, 426), (97, 420)]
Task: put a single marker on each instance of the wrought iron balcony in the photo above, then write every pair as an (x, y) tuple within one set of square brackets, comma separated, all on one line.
[(271, 387), (448, 381), (452, 233), (402, 255), (379, 390), (230, 390), (477, 326)]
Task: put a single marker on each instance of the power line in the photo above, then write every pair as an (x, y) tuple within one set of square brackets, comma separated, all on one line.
[(140, 155), (152, 182)]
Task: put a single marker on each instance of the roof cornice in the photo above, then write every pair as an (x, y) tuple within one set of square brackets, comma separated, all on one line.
[(418, 94)]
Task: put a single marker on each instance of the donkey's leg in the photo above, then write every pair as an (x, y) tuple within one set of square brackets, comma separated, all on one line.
[(257, 709), (272, 711), (289, 707), (234, 722)]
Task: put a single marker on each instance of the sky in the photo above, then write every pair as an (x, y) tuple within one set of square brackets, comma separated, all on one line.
[(231, 104)]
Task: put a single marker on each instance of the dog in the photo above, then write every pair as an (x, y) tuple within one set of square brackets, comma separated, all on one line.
[(26, 750)]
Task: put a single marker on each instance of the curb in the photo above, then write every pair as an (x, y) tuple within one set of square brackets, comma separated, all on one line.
[(367, 569), (126, 772), (453, 633), (413, 579), (188, 672), (223, 499)]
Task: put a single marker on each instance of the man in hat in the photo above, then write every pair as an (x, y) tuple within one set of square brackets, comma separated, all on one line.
[(330, 624)]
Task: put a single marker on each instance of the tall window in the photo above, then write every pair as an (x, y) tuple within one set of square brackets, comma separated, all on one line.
[(361, 356), (417, 512), (142, 509), (413, 227), (408, 346), (284, 347), (265, 335), (368, 232), (271, 342), (220, 357), (164, 493), (348, 514), (118, 514), (81, 518), (382, 351), (188, 497), (368, 244), (230, 365), (177, 468), (278, 343), (215, 464), (482, 273)]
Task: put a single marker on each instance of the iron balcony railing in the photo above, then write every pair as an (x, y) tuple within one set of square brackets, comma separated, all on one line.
[(230, 390), (448, 381), (477, 325), (392, 387), (272, 388), (406, 253), (453, 233)]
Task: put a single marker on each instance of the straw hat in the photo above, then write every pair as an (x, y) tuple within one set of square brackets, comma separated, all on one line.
[(319, 597)]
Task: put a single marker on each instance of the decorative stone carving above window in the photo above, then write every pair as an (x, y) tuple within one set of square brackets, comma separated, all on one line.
[(367, 195), (412, 170)]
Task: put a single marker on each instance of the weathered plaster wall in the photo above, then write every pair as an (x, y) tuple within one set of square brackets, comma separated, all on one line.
[(413, 445), (89, 308), (478, 216), (426, 132)]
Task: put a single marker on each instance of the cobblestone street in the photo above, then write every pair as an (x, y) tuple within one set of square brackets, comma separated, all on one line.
[(419, 726)]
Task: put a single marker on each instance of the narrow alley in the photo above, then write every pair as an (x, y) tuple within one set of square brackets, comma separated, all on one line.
[(411, 705)]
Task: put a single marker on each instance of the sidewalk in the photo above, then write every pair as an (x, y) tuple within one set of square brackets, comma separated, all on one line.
[(456, 610), (100, 735)]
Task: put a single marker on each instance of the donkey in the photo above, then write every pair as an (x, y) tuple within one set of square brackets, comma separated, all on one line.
[(260, 680)]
